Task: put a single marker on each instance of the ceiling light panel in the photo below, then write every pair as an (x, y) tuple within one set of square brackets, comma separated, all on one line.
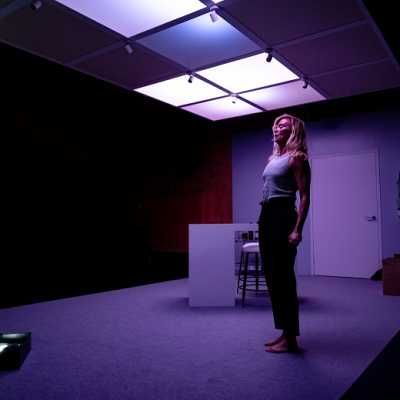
[(179, 91), (248, 73), (285, 95), (226, 107), (199, 42), (131, 17)]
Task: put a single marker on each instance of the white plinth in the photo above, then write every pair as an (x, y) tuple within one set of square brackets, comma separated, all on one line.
[(212, 263)]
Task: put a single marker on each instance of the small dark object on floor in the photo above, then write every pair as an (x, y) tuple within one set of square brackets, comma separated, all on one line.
[(14, 347), (377, 276)]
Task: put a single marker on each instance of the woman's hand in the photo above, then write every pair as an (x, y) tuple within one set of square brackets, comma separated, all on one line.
[(295, 238)]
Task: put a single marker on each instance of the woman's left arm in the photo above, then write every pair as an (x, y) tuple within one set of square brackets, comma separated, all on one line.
[(302, 174)]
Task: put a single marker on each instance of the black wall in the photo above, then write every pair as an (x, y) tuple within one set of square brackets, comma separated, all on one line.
[(81, 160)]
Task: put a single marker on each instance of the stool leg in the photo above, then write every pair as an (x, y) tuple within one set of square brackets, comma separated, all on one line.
[(257, 273), (246, 265), (240, 271)]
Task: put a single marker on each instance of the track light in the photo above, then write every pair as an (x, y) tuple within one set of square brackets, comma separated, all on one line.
[(190, 80), (128, 48), (213, 13), (269, 57), (305, 85), (36, 4), (233, 98)]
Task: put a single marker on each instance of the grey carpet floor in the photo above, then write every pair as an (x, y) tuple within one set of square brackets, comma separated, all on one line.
[(147, 343)]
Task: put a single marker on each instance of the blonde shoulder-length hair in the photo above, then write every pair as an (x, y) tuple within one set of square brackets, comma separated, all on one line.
[(296, 144)]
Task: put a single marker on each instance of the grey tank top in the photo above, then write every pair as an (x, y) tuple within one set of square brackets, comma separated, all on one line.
[(279, 179)]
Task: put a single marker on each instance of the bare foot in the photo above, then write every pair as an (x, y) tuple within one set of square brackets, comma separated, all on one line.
[(283, 347), (280, 338)]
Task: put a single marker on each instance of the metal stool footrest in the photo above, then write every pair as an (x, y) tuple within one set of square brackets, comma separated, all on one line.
[(252, 280)]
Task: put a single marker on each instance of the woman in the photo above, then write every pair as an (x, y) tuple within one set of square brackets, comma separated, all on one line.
[(281, 225)]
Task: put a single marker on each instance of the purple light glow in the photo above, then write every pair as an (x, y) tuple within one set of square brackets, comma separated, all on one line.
[(179, 91), (285, 95), (226, 107), (132, 17), (248, 73)]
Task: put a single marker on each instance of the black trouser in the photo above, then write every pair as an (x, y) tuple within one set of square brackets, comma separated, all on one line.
[(277, 220)]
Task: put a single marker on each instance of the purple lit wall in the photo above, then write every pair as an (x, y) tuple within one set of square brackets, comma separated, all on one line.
[(346, 135)]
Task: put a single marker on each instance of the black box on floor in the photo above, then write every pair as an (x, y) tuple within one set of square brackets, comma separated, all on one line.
[(391, 276), (14, 347)]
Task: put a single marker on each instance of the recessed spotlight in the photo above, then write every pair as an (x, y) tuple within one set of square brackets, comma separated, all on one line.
[(128, 48), (213, 13), (269, 56), (36, 5)]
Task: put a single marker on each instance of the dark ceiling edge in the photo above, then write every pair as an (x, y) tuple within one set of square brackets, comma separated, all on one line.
[(95, 53), (374, 21), (67, 66), (60, 63), (321, 34), (351, 67), (112, 85), (12, 7)]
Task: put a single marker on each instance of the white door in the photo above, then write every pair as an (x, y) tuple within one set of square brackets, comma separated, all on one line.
[(345, 215)]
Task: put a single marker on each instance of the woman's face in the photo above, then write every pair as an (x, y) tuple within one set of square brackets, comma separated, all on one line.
[(282, 130)]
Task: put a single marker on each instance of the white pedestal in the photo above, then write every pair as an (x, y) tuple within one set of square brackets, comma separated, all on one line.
[(212, 263)]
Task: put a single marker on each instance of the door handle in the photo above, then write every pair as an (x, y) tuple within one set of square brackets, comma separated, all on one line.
[(370, 218)]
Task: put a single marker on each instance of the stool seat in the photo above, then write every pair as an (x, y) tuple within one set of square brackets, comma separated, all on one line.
[(251, 247), (247, 277)]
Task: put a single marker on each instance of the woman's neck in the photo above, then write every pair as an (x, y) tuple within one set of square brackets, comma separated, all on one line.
[(282, 151)]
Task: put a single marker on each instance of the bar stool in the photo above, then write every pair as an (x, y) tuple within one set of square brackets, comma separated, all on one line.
[(246, 277)]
